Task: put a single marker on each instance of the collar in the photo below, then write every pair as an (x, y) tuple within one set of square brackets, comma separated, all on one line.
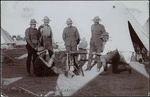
[(45, 25), (32, 28)]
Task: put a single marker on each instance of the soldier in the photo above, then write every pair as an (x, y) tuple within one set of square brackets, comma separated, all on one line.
[(117, 60), (70, 36), (46, 38), (32, 37), (96, 42)]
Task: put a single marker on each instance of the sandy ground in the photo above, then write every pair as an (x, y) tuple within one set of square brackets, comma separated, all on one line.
[(123, 84)]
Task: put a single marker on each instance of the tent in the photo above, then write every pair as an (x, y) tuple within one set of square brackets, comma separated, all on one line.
[(124, 29), (141, 14), (146, 27), (6, 40)]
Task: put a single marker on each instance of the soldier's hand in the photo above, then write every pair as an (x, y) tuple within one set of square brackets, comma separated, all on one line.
[(104, 43), (36, 48)]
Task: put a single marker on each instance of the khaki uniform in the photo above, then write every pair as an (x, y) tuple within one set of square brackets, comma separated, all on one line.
[(32, 38), (117, 60), (70, 37), (46, 34), (96, 42)]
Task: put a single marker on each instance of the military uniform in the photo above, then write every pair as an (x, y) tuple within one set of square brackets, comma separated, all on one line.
[(70, 37), (46, 34), (96, 42), (117, 60), (32, 37)]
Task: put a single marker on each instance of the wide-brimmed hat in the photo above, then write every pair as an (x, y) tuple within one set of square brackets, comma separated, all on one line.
[(69, 21), (33, 21), (46, 19), (96, 19)]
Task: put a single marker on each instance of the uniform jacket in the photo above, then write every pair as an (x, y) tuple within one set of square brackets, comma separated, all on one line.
[(97, 30), (32, 37), (46, 36), (70, 36)]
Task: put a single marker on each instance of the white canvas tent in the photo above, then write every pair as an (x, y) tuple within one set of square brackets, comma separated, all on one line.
[(141, 14), (146, 27), (6, 40), (116, 23)]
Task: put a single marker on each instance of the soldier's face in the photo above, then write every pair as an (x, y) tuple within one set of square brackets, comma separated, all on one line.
[(96, 22), (46, 22), (69, 25), (33, 25)]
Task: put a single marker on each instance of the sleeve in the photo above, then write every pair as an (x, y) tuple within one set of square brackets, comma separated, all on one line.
[(64, 35), (51, 33), (39, 34), (105, 35), (77, 35), (27, 37), (91, 28), (103, 30)]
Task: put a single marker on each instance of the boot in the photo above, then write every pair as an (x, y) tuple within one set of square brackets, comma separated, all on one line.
[(130, 71), (81, 70), (93, 65), (89, 65), (98, 66)]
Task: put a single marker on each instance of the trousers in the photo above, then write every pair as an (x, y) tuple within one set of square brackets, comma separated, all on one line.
[(32, 54)]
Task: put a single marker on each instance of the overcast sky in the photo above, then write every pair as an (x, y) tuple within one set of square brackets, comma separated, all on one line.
[(16, 15)]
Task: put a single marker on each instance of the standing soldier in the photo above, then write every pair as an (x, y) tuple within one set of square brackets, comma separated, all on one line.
[(71, 36), (96, 42), (46, 38), (32, 37)]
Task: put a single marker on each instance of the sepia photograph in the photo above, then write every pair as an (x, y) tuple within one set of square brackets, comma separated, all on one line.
[(74, 48)]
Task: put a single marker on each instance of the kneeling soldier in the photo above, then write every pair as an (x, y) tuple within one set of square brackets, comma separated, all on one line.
[(117, 61)]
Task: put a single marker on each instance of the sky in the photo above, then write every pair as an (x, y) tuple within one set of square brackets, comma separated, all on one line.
[(16, 15)]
